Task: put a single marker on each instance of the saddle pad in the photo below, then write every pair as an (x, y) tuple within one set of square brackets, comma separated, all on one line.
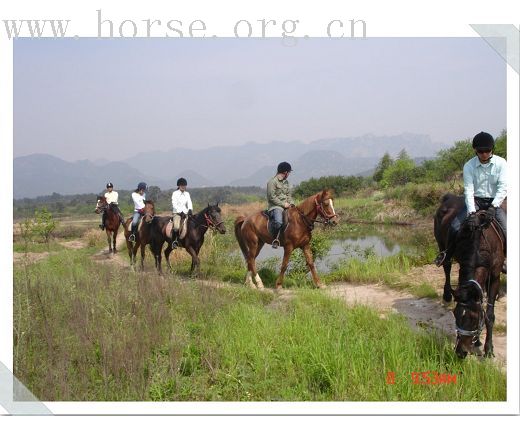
[(169, 228), (184, 229)]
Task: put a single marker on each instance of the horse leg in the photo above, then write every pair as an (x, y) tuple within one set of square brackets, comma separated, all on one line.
[(143, 250), (286, 254), (494, 285), (167, 253), (114, 237), (448, 291), (195, 261), (310, 264), (109, 240), (251, 267)]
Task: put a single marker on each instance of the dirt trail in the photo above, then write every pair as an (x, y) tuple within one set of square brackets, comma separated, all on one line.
[(420, 312)]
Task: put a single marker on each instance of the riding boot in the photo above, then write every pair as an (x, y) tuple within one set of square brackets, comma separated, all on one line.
[(133, 235), (174, 239)]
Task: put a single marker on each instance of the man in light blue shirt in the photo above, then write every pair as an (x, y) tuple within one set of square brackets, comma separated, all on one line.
[(485, 188)]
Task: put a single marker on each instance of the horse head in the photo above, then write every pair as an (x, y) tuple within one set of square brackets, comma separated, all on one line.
[(325, 207), (149, 211), (469, 316), (101, 204), (213, 217)]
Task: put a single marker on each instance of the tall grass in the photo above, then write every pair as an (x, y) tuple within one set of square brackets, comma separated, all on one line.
[(86, 331)]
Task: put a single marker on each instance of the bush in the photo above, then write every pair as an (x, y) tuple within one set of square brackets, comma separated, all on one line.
[(339, 184)]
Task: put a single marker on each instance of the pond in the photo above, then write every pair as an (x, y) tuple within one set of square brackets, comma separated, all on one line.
[(359, 242)]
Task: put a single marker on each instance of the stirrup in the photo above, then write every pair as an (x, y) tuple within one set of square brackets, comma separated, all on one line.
[(439, 259), (275, 243), (175, 245), (131, 238), (504, 268)]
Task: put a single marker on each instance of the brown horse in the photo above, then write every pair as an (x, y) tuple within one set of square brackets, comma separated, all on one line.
[(479, 249), (112, 221), (142, 238), (252, 233)]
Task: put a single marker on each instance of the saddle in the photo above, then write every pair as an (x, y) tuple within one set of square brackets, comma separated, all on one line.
[(285, 222), (183, 230), (139, 223)]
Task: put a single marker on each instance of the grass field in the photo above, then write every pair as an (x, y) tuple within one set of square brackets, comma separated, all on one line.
[(90, 331)]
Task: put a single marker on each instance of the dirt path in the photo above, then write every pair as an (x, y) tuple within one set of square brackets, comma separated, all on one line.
[(420, 312)]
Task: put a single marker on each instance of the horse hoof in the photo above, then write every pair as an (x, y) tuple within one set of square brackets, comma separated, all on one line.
[(446, 297), (321, 286)]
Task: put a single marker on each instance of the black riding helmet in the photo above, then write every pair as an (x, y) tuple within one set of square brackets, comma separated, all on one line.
[(483, 142), (109, 185), (284, 167), (141, 185), (182, 182)]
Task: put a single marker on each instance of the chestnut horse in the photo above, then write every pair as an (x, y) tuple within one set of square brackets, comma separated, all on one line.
[(197, 225), (251, 233), (479, 249), (142, 237), (111, 221)]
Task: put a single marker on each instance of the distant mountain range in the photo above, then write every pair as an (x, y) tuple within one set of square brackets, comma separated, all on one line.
[(245, 165)]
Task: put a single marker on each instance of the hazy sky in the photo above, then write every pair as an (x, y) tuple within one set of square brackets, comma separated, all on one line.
[(90, 98)]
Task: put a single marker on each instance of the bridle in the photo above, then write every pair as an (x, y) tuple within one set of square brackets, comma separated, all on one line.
[(210, 224), (475, 334), (101, 208), (321, 212)]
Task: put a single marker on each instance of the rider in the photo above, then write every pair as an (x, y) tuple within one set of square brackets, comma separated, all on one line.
[(138, 196), (485, 188), (181, 206), (278, 199), (111, 196)]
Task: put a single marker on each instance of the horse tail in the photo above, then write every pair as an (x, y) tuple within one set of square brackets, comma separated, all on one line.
[(238, 234)]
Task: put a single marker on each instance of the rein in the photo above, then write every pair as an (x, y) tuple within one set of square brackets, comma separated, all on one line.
[(209, 222)]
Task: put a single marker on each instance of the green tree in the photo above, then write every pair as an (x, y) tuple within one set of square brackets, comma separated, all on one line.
[(385, 162), (44, 224), (402, 171)]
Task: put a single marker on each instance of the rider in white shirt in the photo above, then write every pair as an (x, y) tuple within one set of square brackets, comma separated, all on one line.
[(138, 197), (181, 207), (111, 197)]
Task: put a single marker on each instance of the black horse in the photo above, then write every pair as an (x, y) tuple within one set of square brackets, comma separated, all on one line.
[(197, 225), (479, 249)]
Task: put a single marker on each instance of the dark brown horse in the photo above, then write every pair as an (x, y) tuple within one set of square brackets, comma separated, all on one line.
[(479, 249), (251, 233), (197, 225), (112, 221), (142, 238)]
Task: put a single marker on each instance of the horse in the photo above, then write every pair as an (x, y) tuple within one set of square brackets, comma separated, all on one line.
[(197, 225), (252, 233), (142, 237), (479, 249), (111, 222)]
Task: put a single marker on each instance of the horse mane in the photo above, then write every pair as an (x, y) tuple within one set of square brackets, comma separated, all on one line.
[(468, 250)]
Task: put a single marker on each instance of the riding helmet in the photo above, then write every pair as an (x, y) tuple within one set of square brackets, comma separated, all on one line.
[(483, 141), (182, 182), (109, 185), (141, 185), (284, 167)]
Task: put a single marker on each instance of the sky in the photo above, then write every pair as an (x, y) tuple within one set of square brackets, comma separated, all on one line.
[(111, 99)]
